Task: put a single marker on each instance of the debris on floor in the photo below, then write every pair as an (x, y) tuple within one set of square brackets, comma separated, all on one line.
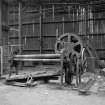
[(102, 72), (94, 83), (99, 85), (30, 79), (87, 81)]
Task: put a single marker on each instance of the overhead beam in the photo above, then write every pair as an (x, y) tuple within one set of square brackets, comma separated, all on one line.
[(77, 3)]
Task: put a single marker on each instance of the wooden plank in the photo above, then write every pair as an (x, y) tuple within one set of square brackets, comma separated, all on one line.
[(43, 75), (85, 87), (20, 84), (1, 33)]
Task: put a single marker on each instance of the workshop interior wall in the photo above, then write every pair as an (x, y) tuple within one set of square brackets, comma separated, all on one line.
[(94, 29)]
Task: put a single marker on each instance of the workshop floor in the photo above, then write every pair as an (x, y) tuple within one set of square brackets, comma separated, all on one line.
[(48, 94)]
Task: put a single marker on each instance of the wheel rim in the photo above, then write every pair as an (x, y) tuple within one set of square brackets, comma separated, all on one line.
[(75, 44)]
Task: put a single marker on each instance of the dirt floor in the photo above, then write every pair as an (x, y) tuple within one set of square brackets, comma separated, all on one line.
[(51, 93), (47, 94)]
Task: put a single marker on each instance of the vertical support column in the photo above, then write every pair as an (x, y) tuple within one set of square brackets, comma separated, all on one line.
[(77, 19), (80, 21), (77, 74), (91, 22), (44, 13), (87, 22), (53, 9), (79, 67), (73, 20), (0, 22), (84, 20), (88, 9), (57, 34), (20, 31), (40, 29), (82, 28), (62, 69), (1, 69), (69, 11), (1, 51), (63, 19), (33, 26), (20, 26)]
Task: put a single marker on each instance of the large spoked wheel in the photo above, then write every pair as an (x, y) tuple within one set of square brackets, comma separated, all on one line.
[(72, 45), (75, 44)]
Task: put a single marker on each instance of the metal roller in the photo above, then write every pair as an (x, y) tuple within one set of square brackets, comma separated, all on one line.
[(36, 56), (38, 60)]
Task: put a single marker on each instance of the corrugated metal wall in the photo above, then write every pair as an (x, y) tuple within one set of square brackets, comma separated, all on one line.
[(92, 27)]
